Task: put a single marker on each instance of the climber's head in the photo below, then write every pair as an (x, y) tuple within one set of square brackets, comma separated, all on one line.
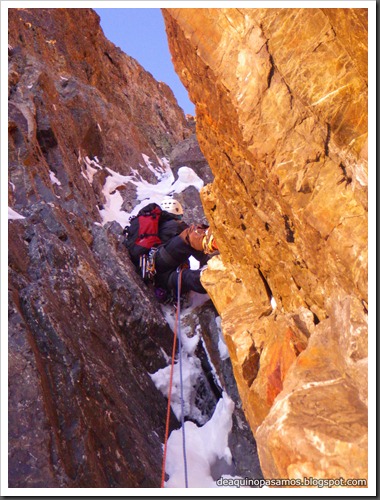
[(172, 206)]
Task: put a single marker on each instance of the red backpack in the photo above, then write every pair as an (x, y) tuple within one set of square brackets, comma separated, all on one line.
[(142, 233)]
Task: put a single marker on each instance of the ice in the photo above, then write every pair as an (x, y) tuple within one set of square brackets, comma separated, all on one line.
[(204, 447)]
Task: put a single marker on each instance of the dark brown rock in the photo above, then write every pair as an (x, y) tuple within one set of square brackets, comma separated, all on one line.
[(84, 330), (78, 362)]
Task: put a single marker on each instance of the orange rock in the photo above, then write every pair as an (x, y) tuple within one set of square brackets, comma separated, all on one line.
[(282, 103)]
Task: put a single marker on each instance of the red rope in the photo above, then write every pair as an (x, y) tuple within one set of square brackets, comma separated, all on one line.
[(170, 394)]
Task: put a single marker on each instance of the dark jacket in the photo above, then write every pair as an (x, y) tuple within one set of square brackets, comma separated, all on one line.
[(170, 227), (173, 252)]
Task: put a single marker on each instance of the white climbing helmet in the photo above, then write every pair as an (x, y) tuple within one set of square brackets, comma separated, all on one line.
[(172, 206)]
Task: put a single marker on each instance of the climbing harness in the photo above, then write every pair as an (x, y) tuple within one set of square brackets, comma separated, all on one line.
[(177, 332)]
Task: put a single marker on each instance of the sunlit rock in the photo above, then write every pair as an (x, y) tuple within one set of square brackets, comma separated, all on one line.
[(281, 114)]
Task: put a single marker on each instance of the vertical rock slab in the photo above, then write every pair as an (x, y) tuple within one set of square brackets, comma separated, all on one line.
[(281, 101), (84, 332), (79, 415), (317, 426)]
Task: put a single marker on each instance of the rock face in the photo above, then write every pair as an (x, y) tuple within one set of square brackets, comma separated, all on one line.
[(84, 330), (85, 333), (187, 153), (281, 115)]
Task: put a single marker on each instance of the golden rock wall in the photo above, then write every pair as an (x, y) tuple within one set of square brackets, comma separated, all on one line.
[(281, 108)]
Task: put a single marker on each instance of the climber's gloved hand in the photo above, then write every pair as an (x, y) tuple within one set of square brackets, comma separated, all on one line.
[(208, 243), (200, 238)]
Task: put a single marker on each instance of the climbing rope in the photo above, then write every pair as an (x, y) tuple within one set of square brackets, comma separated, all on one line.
[(168, 408), (180, 375), (177, 329)]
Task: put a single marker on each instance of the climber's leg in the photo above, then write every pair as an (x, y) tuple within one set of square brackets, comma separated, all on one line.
[(190, 280), (173, 254)]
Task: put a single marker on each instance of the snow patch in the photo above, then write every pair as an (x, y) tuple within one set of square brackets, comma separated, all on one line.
[(191, 372), (205, 446), (222, 347), (156, 171), (146, 192), (53, 178), (92, 167), (13, 215), (112, 209), (187, 177)]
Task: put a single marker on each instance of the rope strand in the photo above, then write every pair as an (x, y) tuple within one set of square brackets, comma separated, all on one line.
[(169, 403), (177, 329), (181, 378)]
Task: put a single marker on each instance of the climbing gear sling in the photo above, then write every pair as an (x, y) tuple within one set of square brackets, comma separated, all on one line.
[(177, 332), (147, 265)]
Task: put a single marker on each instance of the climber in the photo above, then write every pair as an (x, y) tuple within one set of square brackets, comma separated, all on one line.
[(179, 242), (170, 242)]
